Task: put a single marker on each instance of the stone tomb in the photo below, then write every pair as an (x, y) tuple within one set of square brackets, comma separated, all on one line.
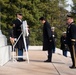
[(5, 50)]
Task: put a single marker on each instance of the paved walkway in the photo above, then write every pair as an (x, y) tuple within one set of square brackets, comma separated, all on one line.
[(59, 66)]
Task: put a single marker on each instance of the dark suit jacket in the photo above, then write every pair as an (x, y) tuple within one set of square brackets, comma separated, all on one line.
[(47, 36)]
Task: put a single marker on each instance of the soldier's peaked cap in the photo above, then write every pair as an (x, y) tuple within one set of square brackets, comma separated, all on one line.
[(19, 13)]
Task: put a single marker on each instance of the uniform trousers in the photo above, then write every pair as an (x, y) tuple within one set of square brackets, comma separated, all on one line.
[(72, 49), (20, 53)]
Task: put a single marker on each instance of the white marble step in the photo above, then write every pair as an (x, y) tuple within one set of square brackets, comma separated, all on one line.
[(5, 54)]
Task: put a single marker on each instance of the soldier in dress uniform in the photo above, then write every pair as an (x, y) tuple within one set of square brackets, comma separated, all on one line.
[(63, 42), (71, 39), (54, 35), (16, 33)]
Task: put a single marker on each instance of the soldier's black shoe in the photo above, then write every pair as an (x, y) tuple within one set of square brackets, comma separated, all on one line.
[(23, 60), (20, 60), (72, 67), (47, 61)]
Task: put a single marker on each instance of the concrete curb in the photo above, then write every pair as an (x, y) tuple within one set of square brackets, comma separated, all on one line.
[(59, 51)]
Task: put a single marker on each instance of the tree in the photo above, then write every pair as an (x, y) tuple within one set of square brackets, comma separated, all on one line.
[(32, 10), (73, 12)]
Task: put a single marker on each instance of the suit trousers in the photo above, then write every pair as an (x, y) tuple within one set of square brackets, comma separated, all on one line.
[(49, 54)]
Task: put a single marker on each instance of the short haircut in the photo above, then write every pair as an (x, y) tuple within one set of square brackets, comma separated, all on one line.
[(42, 18)]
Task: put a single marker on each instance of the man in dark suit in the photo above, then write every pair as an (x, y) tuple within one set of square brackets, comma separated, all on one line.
[(16, 33), (47, 38), (71, 39)]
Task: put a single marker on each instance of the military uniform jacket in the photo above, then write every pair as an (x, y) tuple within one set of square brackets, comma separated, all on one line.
[(71, 33), (47, 36), (63, 42), (16, 33), (54, 35)]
